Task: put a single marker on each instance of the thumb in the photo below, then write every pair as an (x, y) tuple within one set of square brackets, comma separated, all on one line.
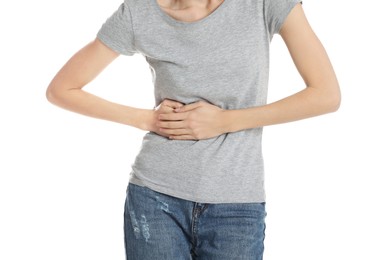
[(172, 103), (188, 107)]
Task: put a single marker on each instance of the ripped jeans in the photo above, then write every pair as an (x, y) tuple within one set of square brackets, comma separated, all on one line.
[(158, 226)]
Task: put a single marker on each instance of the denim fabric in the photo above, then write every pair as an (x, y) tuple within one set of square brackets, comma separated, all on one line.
[(159, 226)]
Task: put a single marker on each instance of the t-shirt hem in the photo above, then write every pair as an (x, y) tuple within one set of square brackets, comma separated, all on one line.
[(287, 10), (106, 41), (134, 179)]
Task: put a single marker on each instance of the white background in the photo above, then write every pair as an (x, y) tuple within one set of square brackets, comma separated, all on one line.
[(63, 175)]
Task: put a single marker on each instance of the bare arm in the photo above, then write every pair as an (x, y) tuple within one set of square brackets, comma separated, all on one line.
[(66, 91), (321, 95)]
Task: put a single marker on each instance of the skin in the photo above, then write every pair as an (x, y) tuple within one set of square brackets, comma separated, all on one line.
[(202, 120), (189, 10)]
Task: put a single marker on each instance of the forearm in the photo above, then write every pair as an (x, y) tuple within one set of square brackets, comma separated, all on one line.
[(201, 120), (308, 103), (66, 91), (82, 102), (322, 94)]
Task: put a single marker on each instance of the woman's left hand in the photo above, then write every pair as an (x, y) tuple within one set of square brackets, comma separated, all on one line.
[(195, 121)]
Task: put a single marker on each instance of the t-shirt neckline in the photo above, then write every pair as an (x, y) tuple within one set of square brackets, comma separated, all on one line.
[(184, 23)]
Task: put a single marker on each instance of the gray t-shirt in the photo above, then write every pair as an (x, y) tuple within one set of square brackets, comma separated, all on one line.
[(222, 59)]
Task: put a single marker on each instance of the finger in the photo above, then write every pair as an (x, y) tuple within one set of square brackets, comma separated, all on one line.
[(182, 137), (165, 109), (174, 132), (189, 107), (171, 124), (172, 103), (172, 117)]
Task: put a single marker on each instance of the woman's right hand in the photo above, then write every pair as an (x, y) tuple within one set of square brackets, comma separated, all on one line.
[(166, 107)]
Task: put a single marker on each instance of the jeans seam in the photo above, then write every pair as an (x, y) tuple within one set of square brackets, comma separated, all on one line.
[(195, 214)]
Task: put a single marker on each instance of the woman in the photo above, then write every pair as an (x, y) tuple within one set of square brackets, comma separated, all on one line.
[(196, 189)]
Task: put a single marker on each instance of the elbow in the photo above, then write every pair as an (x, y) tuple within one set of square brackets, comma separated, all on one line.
[(332, 100), (337, 104), (51, 94), (336, 99), (325, 99), (55, 94)]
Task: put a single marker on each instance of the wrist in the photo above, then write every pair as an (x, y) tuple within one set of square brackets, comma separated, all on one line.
[(228, 121), (146, 120), (238, 119)]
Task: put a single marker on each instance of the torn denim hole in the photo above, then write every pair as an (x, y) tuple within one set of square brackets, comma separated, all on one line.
[(134, 223), (162, 205), (145, 228)]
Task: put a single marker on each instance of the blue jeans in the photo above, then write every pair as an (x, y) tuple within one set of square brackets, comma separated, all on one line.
[(158, 226)]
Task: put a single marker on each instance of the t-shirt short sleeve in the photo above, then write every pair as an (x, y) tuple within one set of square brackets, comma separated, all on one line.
[(117, 32), (276, 12)]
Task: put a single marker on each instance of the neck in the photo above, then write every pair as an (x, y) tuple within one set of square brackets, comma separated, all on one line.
[(183, 4)]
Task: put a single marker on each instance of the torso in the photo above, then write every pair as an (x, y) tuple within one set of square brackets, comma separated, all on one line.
[(223, 59), (186, 13), (220, 57)]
